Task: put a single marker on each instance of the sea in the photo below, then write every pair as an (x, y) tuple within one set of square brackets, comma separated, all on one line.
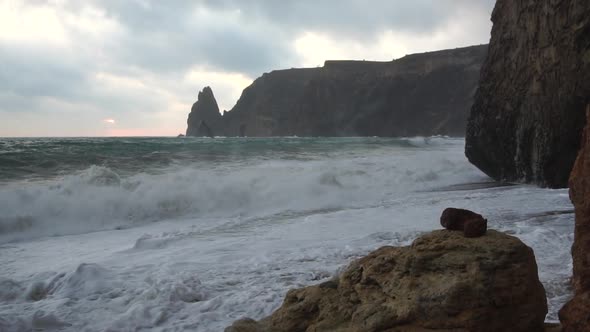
[(190, 234)]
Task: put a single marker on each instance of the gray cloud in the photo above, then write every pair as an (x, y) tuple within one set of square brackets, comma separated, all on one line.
[(167, 36), (30, 71), (216, 48), (254, 36), (345, 16), (351, 18)]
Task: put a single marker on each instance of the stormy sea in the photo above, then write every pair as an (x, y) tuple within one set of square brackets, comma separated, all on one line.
[(173, 234)]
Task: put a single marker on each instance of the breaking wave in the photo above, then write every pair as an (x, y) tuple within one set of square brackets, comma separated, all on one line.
[(99, 198)]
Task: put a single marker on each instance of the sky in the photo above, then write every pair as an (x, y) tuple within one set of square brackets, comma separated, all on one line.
[(135, 67)]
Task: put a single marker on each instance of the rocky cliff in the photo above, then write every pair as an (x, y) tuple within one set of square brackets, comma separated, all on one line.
[(442, 282), (575, 315), (421, 94), (528, 113), (204, 115)]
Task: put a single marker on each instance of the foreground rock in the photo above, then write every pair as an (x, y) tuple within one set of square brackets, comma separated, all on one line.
[(442, 282), (575, 315), (528, 113), (419, 94)]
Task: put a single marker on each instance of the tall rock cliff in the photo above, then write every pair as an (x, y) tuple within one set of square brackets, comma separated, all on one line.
[(528, 113), (575, 315), (204, 115), (420, 94)]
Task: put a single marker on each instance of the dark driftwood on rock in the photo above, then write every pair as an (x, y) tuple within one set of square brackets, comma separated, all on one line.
[(470, 223)]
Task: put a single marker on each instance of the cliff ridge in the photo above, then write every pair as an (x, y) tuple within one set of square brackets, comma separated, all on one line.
[(417, 95)]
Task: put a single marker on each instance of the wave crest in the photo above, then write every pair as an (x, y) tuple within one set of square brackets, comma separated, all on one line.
[(98, 198)]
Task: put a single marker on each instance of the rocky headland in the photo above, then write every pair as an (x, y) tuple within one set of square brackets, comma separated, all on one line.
[(419, 94), (528, 114)]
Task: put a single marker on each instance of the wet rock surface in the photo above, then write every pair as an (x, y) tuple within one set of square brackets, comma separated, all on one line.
[(442, 282), (575, 315)]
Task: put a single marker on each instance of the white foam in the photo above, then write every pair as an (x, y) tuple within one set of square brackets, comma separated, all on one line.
[(231, 240), (99, 199)]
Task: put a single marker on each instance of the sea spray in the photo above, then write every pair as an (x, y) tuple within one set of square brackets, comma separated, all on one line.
[(192, 234), (98, 198)]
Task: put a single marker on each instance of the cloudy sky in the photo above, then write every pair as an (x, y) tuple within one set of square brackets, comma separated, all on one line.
[(134, 67)]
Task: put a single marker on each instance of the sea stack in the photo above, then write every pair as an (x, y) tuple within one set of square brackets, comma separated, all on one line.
[(528, 113), (204, 118)]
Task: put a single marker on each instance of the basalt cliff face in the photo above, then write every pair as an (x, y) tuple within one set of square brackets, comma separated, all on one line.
[(421, 94), (528, 114)]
